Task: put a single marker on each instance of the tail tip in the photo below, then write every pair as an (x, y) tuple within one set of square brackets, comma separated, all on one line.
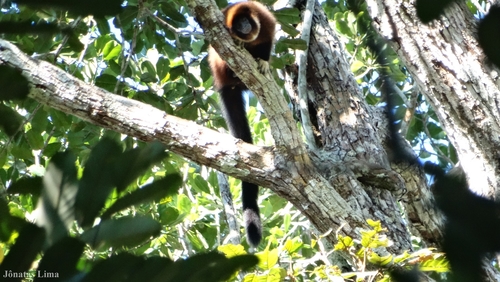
[(253, 227)]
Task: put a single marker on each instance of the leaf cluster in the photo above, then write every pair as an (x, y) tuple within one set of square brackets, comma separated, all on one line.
[(62, 198)]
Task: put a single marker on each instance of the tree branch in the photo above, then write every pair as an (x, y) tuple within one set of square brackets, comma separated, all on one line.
[(53, 87)]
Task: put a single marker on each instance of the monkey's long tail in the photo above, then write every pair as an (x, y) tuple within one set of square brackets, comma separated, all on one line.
[(251, 216), (236, 119)]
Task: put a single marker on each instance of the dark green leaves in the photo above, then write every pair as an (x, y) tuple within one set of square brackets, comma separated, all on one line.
[(25, 186), (13, 84), (10, 120), (205, 267), (55, 206), (97, 181), (62, 258), (21, 255), (428, 10), (154, 191), (288, 17), (489, 35), (122, 232), (109, 167), (210, 267), (81, 8), (28, 27), (8, 223)]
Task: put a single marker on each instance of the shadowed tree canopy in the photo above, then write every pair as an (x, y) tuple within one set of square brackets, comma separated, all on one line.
[(113, 146)]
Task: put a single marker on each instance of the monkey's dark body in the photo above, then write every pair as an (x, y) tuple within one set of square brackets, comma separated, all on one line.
[(254, 26)]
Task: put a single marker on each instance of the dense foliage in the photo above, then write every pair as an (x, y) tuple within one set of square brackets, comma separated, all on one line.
[(109, 206)]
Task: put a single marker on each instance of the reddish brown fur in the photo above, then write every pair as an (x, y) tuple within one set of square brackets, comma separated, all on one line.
[(258, 42), (253, 26), (259, 13)]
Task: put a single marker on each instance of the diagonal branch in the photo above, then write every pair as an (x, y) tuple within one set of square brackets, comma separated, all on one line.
[(283, 174), (53, 87)]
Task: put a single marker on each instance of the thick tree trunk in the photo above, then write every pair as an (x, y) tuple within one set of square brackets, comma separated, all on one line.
[(449, 68), (351, 158), (348, 180), (353, 136)]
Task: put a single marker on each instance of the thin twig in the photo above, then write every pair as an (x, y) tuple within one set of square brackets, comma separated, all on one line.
[(302, 80)]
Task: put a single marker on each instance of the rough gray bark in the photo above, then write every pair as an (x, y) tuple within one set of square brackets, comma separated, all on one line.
[(346, 182), (227, 202), (353, 131), (449, 68), (352, 157), (280, 170)]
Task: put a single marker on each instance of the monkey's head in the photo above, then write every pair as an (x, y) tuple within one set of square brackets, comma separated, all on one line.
[(243, 24)]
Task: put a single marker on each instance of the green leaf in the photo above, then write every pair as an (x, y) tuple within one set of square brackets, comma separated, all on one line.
[(148, 77), (106, 81), (116, 268), (103, 26), (287, 220), (343, 243), (288, 15), (437, 263), (114, 68), (268, 258), (52, 149), (378, 260), (195, 239), (27, 247), (184, 204), (13, 84), (24, 186), (90, 7), (377, 226), (152, 192), (276, 274), (299, 44), (189, 112), (435, 131), (148, 67), (22, 150), (197, 46), (9, 223), (209, 267), (111, 50), (231, 250), (170, 216), (35, 140), (39, 121), (97, 181), (341, 25), (162, 67), (122, 232), (200, 183), (55, 207), (3, 157), (10, 120), (62, 121), (62, 258), (357, 65), (171, 12), (293, 245), (133, 163)]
